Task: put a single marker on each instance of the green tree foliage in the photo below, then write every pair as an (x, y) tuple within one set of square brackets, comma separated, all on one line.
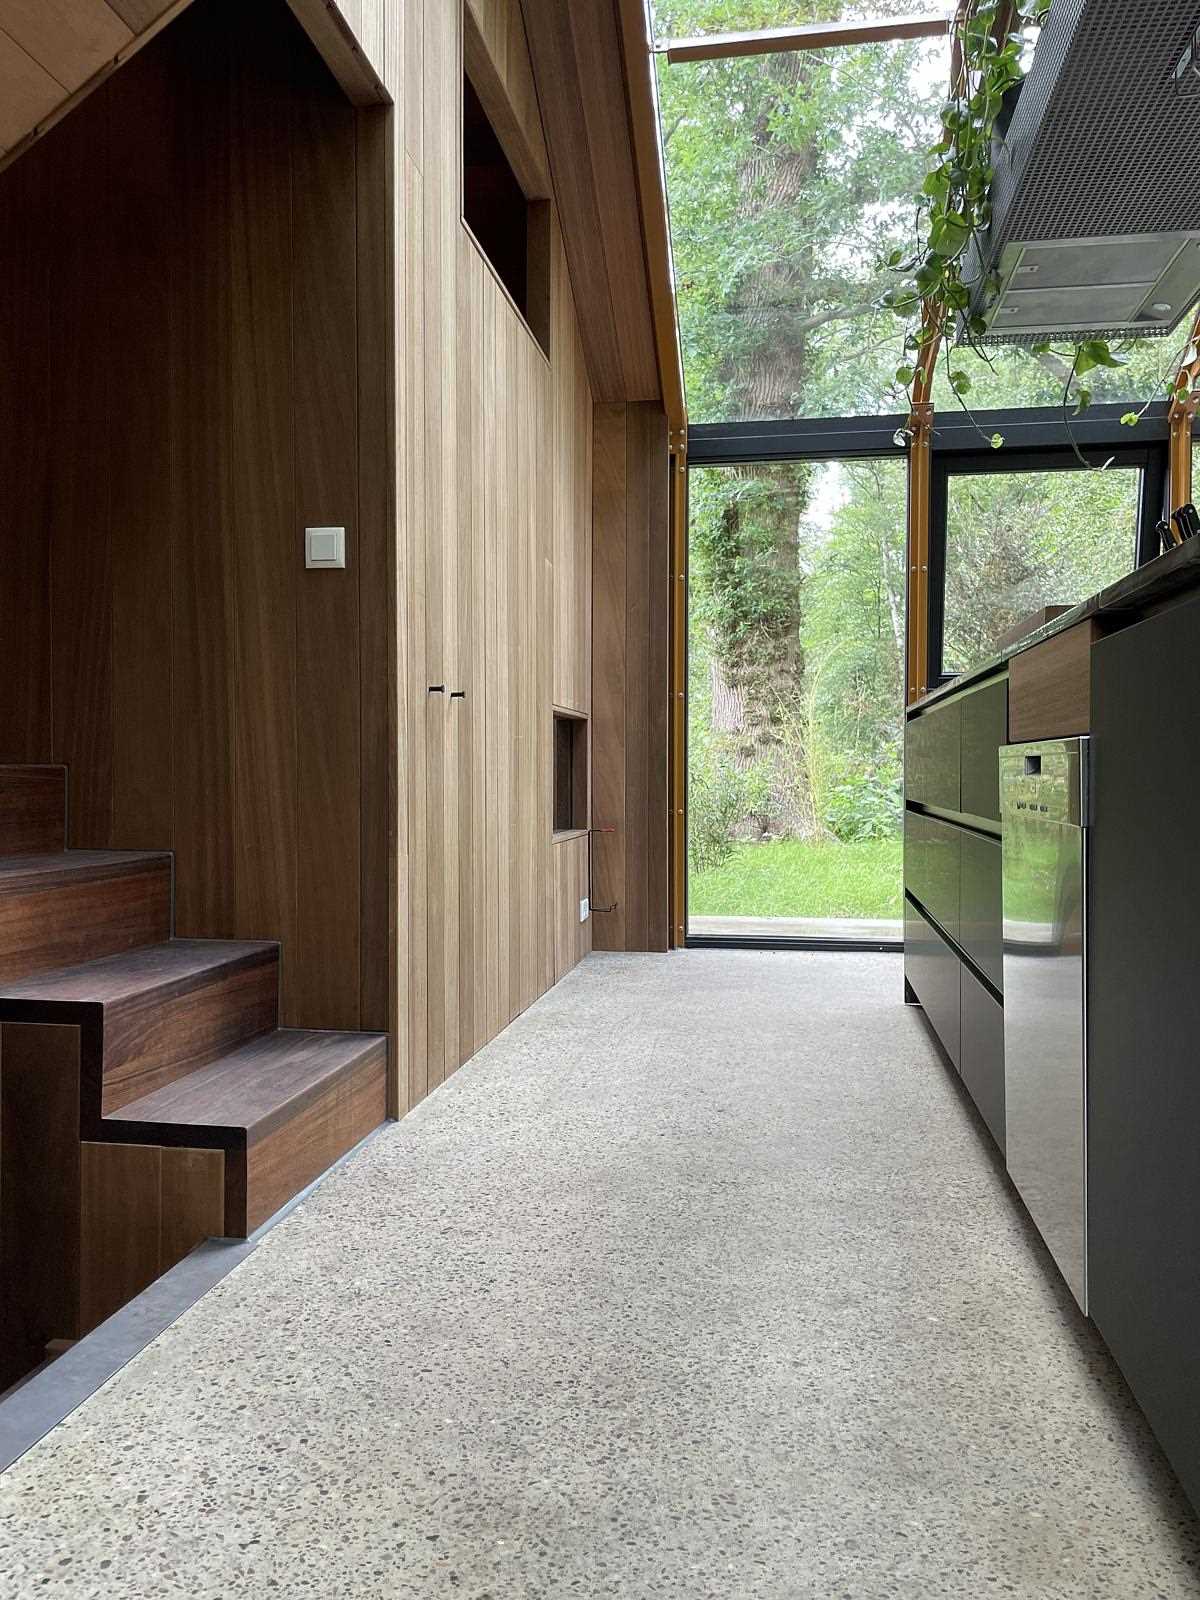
[(1017, 542), (789, 175), (790, 179)]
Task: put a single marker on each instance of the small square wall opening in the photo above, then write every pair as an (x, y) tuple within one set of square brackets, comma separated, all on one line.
[(570, 773)]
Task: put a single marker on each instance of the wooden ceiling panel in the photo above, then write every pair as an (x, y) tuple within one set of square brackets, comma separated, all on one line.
[(27, 92), (139, 14), (579, 73), (69, 39), (53, 53)]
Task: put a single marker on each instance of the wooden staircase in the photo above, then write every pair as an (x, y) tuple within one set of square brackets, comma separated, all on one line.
[(148, 1097)]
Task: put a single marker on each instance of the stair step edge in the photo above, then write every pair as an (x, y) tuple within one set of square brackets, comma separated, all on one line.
[(232, 1085), (53, 988), (62, 866)]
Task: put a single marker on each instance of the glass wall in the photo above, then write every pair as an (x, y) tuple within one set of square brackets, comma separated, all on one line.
[(1017, 542), (791, 178), (796, 639)]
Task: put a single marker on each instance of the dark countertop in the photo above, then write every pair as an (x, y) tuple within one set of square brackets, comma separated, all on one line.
[(1169, 575)]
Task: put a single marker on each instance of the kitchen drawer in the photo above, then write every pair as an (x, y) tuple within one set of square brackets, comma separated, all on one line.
[(932, 752), (931, 968), (981, 905), (932, 867), (1050, 686), (981, 1058), (984, 730)]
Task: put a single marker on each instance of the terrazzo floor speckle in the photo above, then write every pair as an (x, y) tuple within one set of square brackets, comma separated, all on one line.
[(699, 1282)]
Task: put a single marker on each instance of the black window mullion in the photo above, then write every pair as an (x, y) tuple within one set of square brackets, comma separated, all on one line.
[(1150, 459)]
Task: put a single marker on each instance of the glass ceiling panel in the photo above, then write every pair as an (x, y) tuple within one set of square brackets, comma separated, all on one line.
[(790, 176), (673, 20), (1002, 377)]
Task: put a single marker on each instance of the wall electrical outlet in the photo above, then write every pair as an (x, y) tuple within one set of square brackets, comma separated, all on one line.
[(585, 910)]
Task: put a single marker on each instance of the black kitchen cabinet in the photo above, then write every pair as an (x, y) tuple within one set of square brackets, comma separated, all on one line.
[(931, 969), (932, 867), (984, 714), (1144, 1023), (932, 753), (981, 904), (981, 1051)]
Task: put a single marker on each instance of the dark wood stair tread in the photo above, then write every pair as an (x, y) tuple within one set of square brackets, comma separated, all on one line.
[(172, 967), (61, 866), (256, 1088)]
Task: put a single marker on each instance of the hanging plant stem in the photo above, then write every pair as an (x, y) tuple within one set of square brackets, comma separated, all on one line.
[(954, 208)]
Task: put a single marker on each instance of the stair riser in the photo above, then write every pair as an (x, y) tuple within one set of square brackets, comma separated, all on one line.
[(152, 1041), (33, 810), (276, 1167), (81, 919)]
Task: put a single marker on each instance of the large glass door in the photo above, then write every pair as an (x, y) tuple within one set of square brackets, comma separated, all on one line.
[(796, 641)]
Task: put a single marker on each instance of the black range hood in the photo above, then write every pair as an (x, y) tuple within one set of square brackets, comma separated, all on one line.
[(1096, 201)]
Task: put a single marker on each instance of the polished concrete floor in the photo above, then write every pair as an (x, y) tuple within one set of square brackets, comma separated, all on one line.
[(701, 1281)]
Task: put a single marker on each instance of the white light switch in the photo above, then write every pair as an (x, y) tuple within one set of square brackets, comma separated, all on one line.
[(324, 547), (585, 911)]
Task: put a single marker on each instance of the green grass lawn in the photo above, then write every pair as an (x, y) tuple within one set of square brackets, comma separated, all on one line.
[(789, 878)]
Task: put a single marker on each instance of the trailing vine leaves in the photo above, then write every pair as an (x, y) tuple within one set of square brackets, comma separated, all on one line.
[(954, 210)]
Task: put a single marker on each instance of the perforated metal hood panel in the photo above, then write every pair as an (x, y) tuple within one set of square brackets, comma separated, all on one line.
[(1102, 144)]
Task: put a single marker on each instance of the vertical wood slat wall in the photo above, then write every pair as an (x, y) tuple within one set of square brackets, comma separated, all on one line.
[(631, 565), (495, 579), (183, 261), (210, 695)]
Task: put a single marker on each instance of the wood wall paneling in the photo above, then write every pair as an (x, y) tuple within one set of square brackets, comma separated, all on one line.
[(39, 1193), (142, 1209), (609, 588), (25, 409), (277, 801), (263, 501), (191, 1200), (141, 200), (414, 605), (324, 331), (350, 38), (655, 462), (79, 265), (579, 73), (187, 264), (498, 519), (200, 512), (382, 847), (631, 555), (497, 63), (120, 1226)]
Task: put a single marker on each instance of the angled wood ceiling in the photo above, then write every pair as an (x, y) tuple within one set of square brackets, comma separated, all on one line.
[(52, 50), (579, 72)]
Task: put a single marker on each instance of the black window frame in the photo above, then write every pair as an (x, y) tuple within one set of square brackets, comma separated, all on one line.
[(1147, 453), (753, 444), (1031, 434)]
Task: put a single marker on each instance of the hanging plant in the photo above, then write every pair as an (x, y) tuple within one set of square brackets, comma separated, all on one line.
[(954, 210)]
